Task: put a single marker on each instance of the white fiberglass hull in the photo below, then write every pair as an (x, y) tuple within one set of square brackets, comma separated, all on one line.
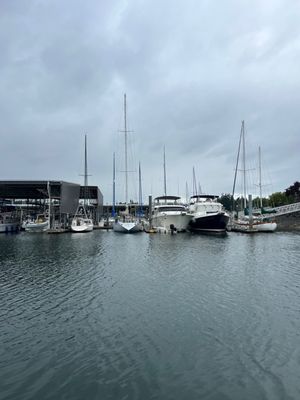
[(266, 226), (82, 225), (256, 226), (164, 221), (127, 227), (37, 226)]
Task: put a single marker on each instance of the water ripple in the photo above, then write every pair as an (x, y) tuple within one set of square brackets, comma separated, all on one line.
[(129, 317)]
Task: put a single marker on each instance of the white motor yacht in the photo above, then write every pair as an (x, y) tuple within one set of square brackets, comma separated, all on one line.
[(169, 215)]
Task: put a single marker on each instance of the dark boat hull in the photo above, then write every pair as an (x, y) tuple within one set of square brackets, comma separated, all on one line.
[(216, 223)]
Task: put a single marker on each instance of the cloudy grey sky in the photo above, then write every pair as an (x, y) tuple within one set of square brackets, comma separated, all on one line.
[(192, 71)]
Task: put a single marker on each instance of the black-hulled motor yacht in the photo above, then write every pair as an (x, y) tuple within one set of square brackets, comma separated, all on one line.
[(207, 214)]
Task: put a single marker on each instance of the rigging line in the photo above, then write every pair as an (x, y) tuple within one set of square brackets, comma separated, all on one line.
[(194, 183), (237, 164)]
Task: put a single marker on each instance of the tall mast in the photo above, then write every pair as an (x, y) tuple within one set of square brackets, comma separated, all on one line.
[(165, 175), (237, 165), (114, 186), (126, 161), (244, 165), (194, 183), (49, 209), (186, 192), (85, 171), (259, 183), (140, 191)]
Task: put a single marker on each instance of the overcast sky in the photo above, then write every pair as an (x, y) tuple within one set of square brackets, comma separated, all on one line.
[(192, 71)]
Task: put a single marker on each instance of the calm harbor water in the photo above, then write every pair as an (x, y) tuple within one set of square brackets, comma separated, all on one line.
[(110, 316)]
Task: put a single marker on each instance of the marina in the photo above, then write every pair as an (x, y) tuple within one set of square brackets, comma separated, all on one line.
[(149, 200), (59, 206), (26, 205)]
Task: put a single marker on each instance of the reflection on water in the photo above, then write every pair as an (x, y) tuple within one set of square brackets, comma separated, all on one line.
[(106, 316)]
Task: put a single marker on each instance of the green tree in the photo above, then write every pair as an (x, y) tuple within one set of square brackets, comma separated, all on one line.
[(265, 202), (293, 192), (278, 199), (226, 200)]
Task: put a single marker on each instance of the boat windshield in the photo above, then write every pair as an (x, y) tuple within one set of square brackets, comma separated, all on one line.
[(174, 208)]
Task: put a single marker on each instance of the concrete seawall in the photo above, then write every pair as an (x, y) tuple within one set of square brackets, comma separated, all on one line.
[(289, 222)]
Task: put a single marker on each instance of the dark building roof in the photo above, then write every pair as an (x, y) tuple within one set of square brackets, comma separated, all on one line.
[(40, 189), (29, 189), (67, 193)]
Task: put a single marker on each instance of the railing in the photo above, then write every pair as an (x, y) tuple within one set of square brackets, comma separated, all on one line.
[(287, 209), (282, 210)]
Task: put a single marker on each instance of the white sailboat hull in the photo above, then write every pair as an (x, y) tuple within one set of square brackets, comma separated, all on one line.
[(256, 226), (37, 226), (127, 227), (82, 225), (266, 226)]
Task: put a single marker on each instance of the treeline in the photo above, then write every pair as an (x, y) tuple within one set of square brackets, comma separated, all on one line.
[(289, 196)]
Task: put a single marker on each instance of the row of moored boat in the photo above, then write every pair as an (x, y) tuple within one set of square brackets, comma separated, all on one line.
[(203, 214), (168, 215)]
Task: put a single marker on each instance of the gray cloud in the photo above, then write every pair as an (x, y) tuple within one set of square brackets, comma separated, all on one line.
[(192, 71)]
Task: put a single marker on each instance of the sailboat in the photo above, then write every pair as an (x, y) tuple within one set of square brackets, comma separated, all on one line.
[(169, 215), (42, 221), (40, 224), (266, 224), (126, 223), (81, 222), (247, 222)]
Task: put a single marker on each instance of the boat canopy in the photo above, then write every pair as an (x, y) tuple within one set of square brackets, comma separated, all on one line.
[(167, 198)]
